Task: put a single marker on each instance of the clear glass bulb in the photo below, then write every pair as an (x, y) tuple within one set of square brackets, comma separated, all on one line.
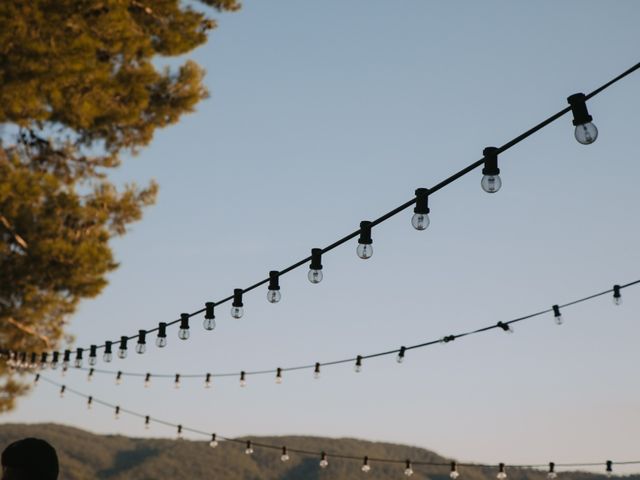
[(141, 348), (316, 375), (491, 183), (176, 385), (116, 415), (408, 471), (209, 323), (365, 468), (54, 365), (278, 380), (65, 364), (78, 363), (207, 384), (273, 296), (248, 450), (586, 134), (420, 221), (364, 250), (183, 334), (454, 475), (147, 383), (324, 463), (64, 370), (243, 383), (617, 300), (93, 361), (61, 393), (552, 475), (357, 368), (89, 405), (118, 380), (146, 426), (400, 358), (161, 342), (501, 475), (122, 353), (284, 457), (89, 377), (558, 320), (315, 276), (213, 443), (237, 312)]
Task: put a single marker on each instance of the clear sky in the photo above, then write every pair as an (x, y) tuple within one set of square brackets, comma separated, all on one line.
[(324, 114)]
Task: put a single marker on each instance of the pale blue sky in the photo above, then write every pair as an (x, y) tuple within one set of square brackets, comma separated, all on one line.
[(326, 114)]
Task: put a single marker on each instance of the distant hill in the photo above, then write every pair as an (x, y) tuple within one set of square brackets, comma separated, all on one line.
[(85, 456)]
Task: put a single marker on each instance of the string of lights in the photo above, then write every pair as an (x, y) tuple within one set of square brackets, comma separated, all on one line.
[(316, 367), (585, 133), (324, 456)]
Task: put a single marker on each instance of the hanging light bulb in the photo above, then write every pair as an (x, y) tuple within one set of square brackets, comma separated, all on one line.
[(491, 181), (93, 359), (243, 381), (315, 268), (207, 381), (36, 379), (316, 371), (454, 471), (141, 346), (161, 339), (285, 455), (358, 366), (34, 360), (116, 414), (552, 473), (617, 298), (147, 380), (420, 219), (365, 247), (400, 357), (122, 351), (249, 448), (236, 307), (78, 361), (279, 376), (214, 442), (90, 374), (586, 132), (119, 378), (179, 432), (107, 356), (66, 359), (408, 471), (183, 332), (273, 293), (44, 360), (557, 315), (54, 360), (209, 322), (176, 382), (147, 422), (505, 326), (366, 468), (324, 463), (62, 390), (23, 360), (89, 403), (609, 468), (64, 370), (501, 473)]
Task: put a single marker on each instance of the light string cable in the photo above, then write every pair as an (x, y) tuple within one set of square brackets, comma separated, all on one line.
[(585, 133), (325, 455), (357, 361)]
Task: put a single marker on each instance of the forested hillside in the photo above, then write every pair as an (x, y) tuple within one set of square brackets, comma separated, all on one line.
[(87, 456)]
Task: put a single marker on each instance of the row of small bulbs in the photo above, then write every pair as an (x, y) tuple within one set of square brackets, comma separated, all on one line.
[(22, 362), (585, 132), (324, 458)]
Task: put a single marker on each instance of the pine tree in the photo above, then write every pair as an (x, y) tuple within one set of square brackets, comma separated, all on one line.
[(78, 87)]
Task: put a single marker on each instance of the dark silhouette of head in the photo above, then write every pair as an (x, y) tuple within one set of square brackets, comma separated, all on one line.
[(29, 459)]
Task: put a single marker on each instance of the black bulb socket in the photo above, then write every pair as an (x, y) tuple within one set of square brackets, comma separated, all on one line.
[(490, 161), (237, 297), (578, 103), (365, 233), (316, 259), (616, 291), (208, 314), (162, 329), (67, 356), (184, 321), (107, 347), (142, 337), (79, 353), (123, 342), (274, 280), (422, 201)]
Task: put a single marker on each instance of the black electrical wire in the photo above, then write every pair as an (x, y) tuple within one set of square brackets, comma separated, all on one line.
[(309, 452), (409, 203), (445, 339)]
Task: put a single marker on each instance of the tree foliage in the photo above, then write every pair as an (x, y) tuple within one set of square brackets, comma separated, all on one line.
[(79, 87)]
